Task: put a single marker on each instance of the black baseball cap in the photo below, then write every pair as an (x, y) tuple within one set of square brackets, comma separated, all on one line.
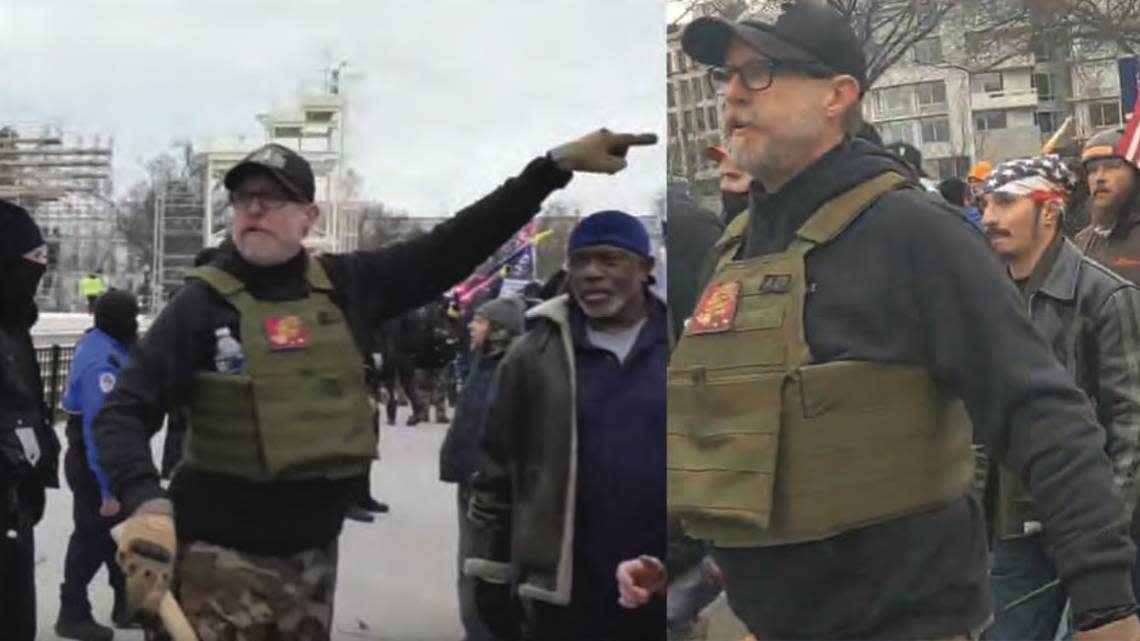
[(807, 32), (908, 153), (284, 164)]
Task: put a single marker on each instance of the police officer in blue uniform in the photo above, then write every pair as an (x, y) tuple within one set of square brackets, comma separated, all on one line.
[(99, 355)]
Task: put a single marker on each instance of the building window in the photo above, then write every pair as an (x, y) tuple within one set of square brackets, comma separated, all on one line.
[(898, 131), (1046, 86), (893, 101), (931, 93), (669, 62), (672, 125), (992, 82), (714, 122), (286, 132), (700, 119), (682, 64), (989, 120), (669, 94), (688, 121), (928, 51), (1104, 114), (952, 166), (1042, 46), (1048, 121), (936, 129), (684, 92), (696, 83), (319, 116)]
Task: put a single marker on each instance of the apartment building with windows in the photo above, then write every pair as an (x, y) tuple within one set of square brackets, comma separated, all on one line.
[(959, 99), (694, 122), (960, 95)]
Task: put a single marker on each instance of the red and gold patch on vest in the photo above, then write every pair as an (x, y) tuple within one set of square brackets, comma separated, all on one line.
[(717, 310), (286, 332)]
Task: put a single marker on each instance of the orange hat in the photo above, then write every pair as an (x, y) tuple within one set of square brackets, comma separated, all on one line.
[(981, 171)]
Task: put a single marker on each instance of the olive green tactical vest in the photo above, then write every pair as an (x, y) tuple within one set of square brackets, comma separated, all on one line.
[(292, 413), (766, 448)]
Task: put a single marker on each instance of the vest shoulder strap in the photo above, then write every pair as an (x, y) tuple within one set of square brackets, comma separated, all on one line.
[(838, 213), (317, 276), (219, 280), (730, 241)]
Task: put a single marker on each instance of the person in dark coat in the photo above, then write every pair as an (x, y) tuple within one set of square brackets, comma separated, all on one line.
[(572, 481), (29, 448), (494, 325), (690, 234)]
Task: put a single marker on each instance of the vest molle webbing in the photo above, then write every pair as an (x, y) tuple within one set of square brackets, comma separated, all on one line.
[(767, 448), (292, 413)]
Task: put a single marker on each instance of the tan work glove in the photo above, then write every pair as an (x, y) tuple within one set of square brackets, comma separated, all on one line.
[(601, 152), (146, 553), (1126, 629)]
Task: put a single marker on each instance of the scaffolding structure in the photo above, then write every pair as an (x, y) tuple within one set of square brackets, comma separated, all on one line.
[(65, 182), (177, 238)]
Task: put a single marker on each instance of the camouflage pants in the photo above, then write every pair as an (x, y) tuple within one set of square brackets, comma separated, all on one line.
[(431, 388), (232, 596)]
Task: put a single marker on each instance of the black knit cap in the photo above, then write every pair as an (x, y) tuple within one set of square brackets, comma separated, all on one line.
[(19, 233), (116, 313)]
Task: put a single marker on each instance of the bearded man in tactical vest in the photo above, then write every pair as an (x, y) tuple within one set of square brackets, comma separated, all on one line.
[(263, 347), (1090, 316), (817, 432)]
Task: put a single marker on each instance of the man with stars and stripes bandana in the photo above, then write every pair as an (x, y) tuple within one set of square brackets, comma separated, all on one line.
[(1091, 318)]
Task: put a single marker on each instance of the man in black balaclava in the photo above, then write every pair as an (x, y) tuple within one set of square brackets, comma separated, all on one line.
[(29, 449)]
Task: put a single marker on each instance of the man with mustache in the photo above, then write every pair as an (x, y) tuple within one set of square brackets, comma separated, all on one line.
[(1113, 234), (1091, 318), (264, 348), (572, 480), (821, 398)]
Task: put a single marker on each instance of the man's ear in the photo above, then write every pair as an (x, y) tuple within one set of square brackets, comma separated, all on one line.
[(312, 215)]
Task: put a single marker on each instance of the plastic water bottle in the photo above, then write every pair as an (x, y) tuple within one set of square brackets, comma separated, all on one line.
[(229, 357)]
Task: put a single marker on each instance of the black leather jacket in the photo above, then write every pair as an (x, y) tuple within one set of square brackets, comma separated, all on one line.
[(1090, 317)]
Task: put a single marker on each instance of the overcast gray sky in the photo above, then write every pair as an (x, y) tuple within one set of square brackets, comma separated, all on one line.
[(447, 97)]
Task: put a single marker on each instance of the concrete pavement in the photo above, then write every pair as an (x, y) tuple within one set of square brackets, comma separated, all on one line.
[(396, 575)]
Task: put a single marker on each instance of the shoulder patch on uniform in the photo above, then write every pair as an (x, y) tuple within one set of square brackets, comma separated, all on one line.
[(106, 382)]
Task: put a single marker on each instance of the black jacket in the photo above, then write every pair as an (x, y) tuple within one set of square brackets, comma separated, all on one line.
[(1090, 316), (459, 454), (689, 235), (370, 286), (22, 405), (912, 282), (571, 491)]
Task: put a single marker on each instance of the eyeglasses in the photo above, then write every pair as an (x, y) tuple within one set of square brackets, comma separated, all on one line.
[(757, 73), (267, 201)]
